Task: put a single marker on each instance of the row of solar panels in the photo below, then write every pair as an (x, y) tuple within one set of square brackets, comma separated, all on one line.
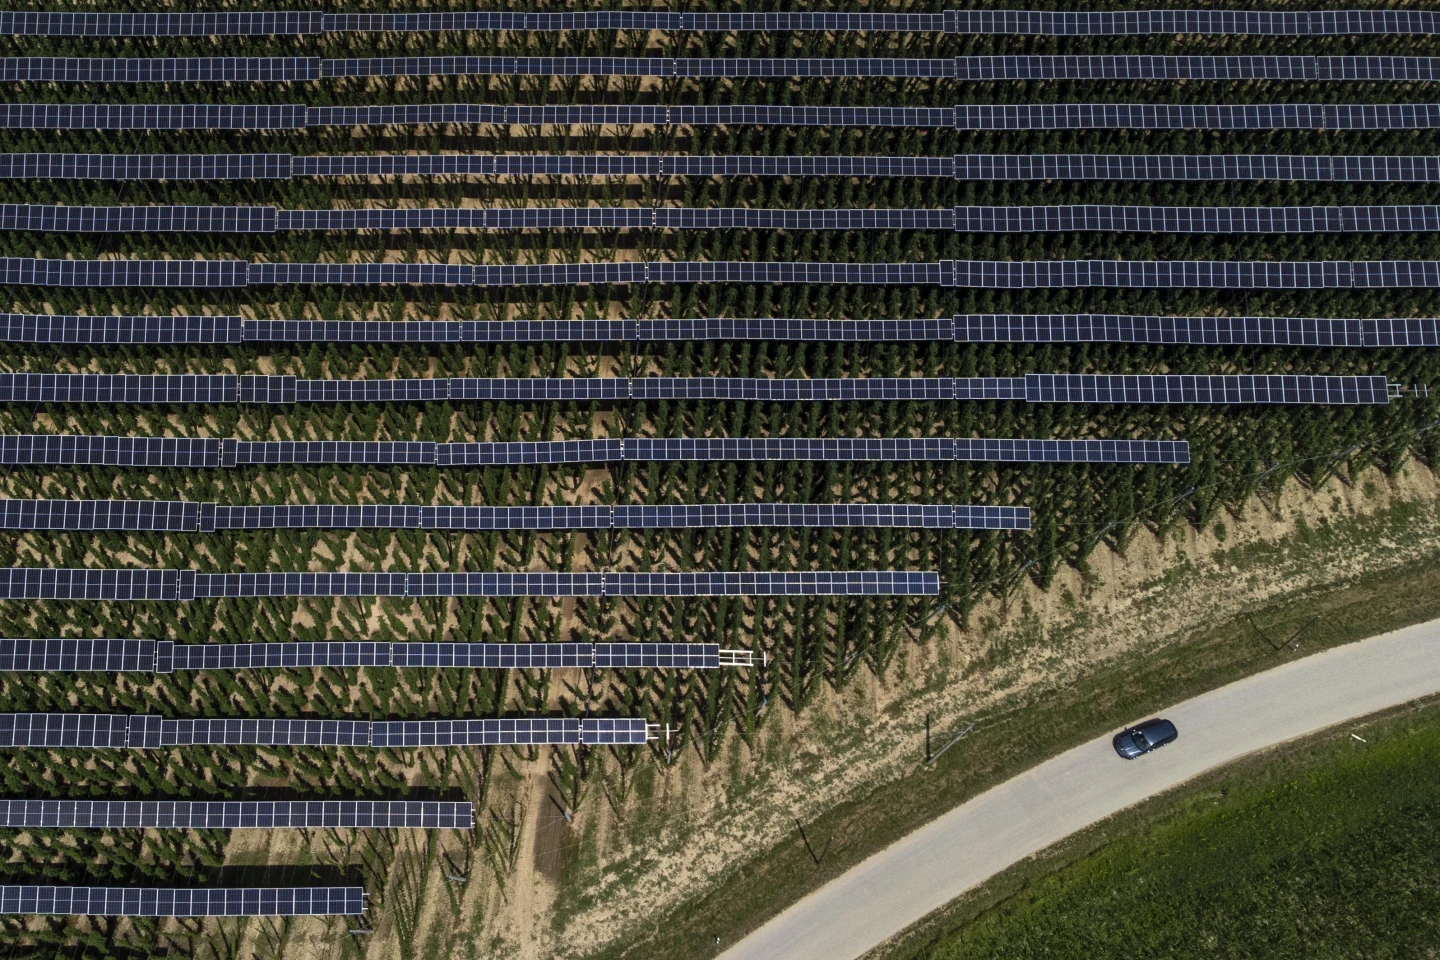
[(182, 902), (1028, 22), (121, 731), (190, 517), (1024, 116), (974, 68), (55, 583), (989, 167), (74, 655), (1032, 388), (235, 814), (973, 328), (83, 450), (974, 274), (1380, 218)]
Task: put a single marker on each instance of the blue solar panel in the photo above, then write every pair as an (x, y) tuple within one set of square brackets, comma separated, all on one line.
[(46, 328), (234, 815), (100, 116), (156, 515), (145, 166), (236, 23), (1049, 388), (1264, 331), (176, 902)]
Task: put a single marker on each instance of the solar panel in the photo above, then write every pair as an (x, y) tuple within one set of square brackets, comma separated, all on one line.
[(789, 448), (352, 331), (243, 452), (476, 733), (929, 516), (23, 271), (626, 114), (647, 20), (1201, 21), (139, 116), (779, 329), (799, 583), (145, 166), (156, 515), (1074, 451), (637, 67), (278, 656), (32, 449), (106, 388), (397, 584), (1193, 274), (158, 69), (1051, 388), (637, 165), (235, 815), (604, 731), (178, 902), (64, 730), (47, 328), (783, 390), (515, 518), (258, 23), (527, 452), (53, 219), (58, 583), (648, 656), (1111, 219), (263, 732), (1159, 116), (1264, 331), (1297, 167), (77, 655), (318, 517), (493, 656)]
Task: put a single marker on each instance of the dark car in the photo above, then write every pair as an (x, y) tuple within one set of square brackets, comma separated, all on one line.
[(1144, 737)]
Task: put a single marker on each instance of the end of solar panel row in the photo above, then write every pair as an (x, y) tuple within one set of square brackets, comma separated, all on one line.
[(1214, 331), (177, 902), (235, 815), (473, 733), (1224, 22), (1149, 116), (1138, 167), (238, 23), (797, 584), (46, 328), (1348, 391), (647, 656)]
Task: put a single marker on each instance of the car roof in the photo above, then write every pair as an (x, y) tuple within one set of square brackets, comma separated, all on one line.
[(1157, 729)]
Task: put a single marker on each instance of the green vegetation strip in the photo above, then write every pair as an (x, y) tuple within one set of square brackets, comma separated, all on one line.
[(1059, 719), (1330, 848)]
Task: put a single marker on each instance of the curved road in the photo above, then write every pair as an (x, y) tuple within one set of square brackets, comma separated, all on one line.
[(901, 884)]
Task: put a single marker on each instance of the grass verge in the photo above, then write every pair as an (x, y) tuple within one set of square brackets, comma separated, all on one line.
[(1328, 847), (1047, 724)]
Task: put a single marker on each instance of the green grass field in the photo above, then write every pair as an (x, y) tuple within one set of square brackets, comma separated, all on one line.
[(1326, 849)]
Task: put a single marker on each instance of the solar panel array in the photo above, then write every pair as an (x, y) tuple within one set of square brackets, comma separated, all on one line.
[(1031, 22), (1263, 331), (179, 902), (1047, 388), (120, 731), (53, 583), (33, 449), (1050, 116), (994, 167), (480, 656), (973, 68), (1285, 167), (32, 328), (986, 274), (178, 516), (235, 815), (1410, 218)]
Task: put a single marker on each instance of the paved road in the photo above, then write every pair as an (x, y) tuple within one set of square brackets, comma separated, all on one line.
[(908, 880)]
